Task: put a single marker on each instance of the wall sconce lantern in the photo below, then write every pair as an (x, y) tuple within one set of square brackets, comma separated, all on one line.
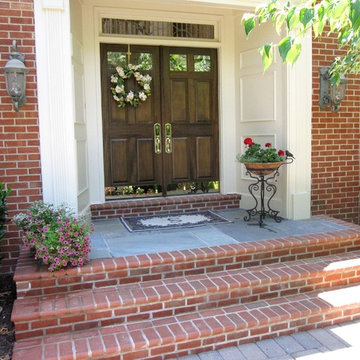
[(331, 95), (15, 77)]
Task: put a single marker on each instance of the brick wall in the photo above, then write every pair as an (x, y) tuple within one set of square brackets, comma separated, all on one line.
[(19, 132), (335, 144)]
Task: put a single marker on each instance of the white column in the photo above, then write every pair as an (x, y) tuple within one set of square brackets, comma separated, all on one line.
[(299, 102), (227, 106), (55, 97)]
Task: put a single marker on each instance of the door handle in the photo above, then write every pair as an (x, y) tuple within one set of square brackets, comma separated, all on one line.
[(157, 138), (168, 138)]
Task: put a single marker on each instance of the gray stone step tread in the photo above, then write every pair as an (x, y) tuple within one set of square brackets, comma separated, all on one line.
[(316, 344)]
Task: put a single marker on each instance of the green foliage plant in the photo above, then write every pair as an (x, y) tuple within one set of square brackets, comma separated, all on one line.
[(323, 17), (4, 193), (55, 235)]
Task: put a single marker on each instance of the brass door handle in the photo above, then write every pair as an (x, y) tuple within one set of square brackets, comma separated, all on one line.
[(168, 138), (157, 138)]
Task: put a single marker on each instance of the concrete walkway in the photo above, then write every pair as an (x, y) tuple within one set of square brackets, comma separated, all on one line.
[(330, 343)]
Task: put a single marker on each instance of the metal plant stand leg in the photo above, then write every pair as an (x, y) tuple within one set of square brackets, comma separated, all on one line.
[(263, 185)]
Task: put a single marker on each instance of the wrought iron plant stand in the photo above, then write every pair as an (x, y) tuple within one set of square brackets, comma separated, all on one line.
[(264, 173)]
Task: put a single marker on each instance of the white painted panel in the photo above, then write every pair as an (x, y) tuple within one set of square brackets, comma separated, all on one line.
[(250, 86), (82, 161), (249, 59), (79, 93)]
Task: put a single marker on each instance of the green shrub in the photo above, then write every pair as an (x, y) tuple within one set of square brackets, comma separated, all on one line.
[(4, 193)]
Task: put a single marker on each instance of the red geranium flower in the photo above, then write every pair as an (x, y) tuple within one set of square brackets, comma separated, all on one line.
[(248, 141), (268, 145), (281, 153)]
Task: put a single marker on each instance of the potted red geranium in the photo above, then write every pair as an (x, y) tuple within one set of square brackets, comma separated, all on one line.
[(262, 161)]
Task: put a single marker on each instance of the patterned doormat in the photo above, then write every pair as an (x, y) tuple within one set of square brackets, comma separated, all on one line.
[(172, 221)]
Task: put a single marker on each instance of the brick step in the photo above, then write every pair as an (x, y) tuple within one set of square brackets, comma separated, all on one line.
[(33, 280), (168, 205), (44, 315), (199, 331)]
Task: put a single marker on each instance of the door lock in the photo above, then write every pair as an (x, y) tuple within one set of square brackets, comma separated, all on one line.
[(157, 138), (168, 138)]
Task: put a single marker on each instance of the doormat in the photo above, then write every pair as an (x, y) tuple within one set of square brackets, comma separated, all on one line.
[(172, 221)]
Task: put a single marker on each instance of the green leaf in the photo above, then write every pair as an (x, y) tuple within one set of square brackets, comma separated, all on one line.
[(335, 77), (289, 16), (306, 15), (267, 53), (284, 47), (293, 53), (355, 14), (249, 25), (345, 36), (321, 12), (340, 9), (318, 27), (279, 21)]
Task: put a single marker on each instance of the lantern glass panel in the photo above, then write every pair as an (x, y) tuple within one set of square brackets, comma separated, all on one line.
[(337, 92), (15, 84)]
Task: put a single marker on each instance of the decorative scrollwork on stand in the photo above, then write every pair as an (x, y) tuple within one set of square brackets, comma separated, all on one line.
[(264, 185)]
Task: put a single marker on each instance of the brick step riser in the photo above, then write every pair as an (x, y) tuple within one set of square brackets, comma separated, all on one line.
[(111, 272), (104, 315), (167, 345), (159, 206)]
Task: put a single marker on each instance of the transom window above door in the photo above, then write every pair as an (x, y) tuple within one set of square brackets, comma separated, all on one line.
[(157, 28)]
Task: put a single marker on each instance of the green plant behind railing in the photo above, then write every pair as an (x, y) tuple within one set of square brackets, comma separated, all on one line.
[(4, 193)]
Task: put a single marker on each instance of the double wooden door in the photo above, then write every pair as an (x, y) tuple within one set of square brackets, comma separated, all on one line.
[(172, 137)]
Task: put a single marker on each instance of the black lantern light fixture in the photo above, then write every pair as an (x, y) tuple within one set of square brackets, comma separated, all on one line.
[(15, 77), (331, 94)]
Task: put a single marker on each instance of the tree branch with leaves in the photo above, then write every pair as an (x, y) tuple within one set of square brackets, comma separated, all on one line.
[(323, 17)]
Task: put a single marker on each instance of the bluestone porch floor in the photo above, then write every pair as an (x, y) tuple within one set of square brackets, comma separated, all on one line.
[(112, 239)]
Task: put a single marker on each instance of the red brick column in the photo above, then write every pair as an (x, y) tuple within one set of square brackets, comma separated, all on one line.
[(19, 132), (335, 144)]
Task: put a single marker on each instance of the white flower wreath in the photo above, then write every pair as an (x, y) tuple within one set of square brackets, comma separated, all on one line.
[(131, 97)]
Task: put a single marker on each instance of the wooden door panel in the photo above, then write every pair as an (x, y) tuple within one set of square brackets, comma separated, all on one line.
[(202, 101), (119, 164), (204, 158), (145, 160), (180, 159), (117, 115), (144, 113), (179, 99)]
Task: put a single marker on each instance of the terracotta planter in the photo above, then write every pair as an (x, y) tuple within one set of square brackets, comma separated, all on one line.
[(262, 169)]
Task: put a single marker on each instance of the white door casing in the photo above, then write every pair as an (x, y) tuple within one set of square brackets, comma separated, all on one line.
[(224, 24)]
